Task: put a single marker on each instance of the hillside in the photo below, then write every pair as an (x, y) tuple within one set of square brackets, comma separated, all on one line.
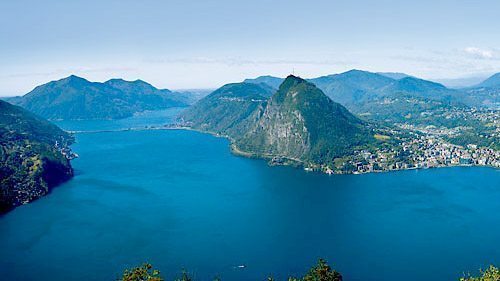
[(229, 110), (353, 87), (31, 162), (483, 97), (301, 122), (77, 98), (492, 82), (396, 97), (297, 123), (418, 88)]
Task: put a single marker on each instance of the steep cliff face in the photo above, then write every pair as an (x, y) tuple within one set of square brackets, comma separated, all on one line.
[(33, 156), (297, 123), (281, 129), (300, 122)]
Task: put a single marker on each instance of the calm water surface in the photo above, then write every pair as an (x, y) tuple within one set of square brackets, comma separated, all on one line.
[(179, 199)]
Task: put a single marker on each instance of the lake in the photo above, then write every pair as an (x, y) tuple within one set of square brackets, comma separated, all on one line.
[(180, 200)]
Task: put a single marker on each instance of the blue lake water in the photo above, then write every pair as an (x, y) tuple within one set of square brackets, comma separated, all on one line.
[(180, 199)]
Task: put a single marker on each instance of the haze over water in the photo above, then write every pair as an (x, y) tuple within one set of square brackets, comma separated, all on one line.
[(180, 199)]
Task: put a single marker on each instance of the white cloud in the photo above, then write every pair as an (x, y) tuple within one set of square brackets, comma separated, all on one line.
[(479, 53)]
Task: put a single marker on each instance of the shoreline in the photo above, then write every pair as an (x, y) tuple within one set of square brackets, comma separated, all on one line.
[(300, 164), (235, 150)]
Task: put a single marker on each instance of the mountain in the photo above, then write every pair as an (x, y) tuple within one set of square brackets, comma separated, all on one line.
[(271, 81), (77, 98), (492, 82), (462, 82), (485, 94), (191, 96), (33, 156), (394, 75), (416, 87), (298, 123), (352, 87), (355, 88), (229, 110), (484, 97), (378, 97)]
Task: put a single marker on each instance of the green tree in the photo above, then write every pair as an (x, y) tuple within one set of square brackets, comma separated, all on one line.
[(142, 273), (321, 272), (490, 274)]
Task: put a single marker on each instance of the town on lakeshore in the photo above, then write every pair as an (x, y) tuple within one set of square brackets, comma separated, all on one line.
[(423, 151), (424, 147)]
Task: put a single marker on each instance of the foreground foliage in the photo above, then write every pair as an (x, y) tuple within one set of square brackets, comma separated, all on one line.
[(142, 273), (320, 272), (490, 274)]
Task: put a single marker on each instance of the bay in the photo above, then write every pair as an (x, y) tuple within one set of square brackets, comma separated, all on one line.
[(180, 200)]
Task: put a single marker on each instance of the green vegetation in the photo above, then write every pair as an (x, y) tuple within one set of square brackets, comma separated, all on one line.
[(30, 162), (475, 136), (144, 272), (490, 274), (320, 272), (298, 124), (76, 98), (230, 110), (353, 87), (357, 89), (399, 98)]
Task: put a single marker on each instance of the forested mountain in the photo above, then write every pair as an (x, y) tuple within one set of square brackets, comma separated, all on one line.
[(301, 122), (34, 156), (394, 97), (229, 110), (298, 122), (77, 98)]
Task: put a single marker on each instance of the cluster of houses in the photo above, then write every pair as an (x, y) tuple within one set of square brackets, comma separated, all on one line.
[(425, 151)]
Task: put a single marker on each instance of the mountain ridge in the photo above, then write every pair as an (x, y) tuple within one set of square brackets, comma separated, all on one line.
[(298, 123), (75, 97), (301, 122), (491, 82)]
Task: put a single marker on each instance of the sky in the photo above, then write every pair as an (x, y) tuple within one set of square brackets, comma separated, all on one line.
[(189, 44)]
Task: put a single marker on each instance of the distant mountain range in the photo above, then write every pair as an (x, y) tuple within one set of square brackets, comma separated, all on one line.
[(357, 86), (30, 161), (361, 90), (492, 82), (77, 98), (460, 83), (297, 123)]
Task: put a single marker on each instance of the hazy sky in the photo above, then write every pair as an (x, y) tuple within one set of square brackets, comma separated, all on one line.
[(199, 44)]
